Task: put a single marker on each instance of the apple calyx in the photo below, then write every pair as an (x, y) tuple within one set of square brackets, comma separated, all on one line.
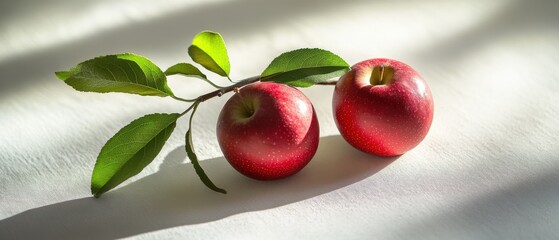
[(382, 75)]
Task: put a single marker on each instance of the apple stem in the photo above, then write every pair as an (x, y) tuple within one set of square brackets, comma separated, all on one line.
[(381, 75)]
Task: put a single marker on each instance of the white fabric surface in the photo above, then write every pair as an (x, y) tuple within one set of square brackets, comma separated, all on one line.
[(487, 169)]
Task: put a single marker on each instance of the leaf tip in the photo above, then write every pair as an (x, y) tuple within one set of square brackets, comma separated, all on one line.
[(62, 75), (95, 193), (206, 33)]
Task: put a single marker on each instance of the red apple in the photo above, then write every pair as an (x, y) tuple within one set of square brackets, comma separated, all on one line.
[(383, 106), (268, 131)]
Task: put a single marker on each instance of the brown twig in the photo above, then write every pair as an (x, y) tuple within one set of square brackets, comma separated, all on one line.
[(220, 92)]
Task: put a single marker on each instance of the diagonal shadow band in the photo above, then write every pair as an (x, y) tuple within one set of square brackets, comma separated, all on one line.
[(174, 196), (169, 33)]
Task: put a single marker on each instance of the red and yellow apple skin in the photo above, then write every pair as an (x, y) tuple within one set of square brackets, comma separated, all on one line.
[(383, 114), (268, 131)]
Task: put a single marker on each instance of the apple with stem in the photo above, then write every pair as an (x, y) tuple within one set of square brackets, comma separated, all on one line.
[(268, 130), (382, 106)]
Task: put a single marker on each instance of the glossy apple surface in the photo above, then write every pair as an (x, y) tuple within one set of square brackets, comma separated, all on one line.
[(268, 131), (383, 106)]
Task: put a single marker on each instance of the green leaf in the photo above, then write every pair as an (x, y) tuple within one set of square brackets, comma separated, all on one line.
[(194, 159), (126, 73), (305, 67), (185, 69), (189, 70), (208, 49), (130, 150)]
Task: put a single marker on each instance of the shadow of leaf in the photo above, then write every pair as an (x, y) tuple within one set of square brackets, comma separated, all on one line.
[(174, 196)]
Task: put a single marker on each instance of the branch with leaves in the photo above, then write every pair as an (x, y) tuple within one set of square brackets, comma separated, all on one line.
[(135, 146)]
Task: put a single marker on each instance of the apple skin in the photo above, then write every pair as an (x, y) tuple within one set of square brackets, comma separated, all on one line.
[(383, 119), (268, 131)]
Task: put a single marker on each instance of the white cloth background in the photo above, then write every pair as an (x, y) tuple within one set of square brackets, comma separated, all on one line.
[(487, 170)]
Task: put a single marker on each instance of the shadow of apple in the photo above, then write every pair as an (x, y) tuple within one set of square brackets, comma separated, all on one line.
[(174, 196)]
